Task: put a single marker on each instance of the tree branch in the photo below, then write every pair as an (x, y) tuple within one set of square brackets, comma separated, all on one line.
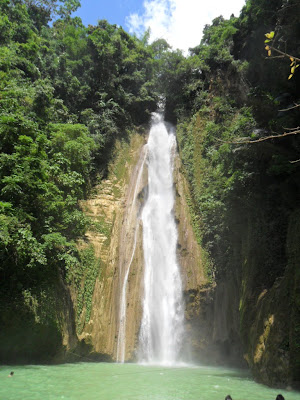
[(283, 53), (294, 132), (290, 108), (272, 57)]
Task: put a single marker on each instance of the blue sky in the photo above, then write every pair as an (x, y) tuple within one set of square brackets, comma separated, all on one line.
[(180, 22), (114, 11)]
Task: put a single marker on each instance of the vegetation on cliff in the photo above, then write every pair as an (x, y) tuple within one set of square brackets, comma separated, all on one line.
[(230, 101), (67, 92)]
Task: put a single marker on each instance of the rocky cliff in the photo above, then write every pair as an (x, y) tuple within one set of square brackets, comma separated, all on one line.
[(118, 202), (239, 317), (115, 207), (247, 214), (212, 323), (269, 316)]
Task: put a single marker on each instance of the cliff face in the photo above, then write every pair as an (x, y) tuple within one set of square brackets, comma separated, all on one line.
[(270, 318), (247, 211), (116, 203), (40, 326), (241, 317), (212, 323), (190, 255)]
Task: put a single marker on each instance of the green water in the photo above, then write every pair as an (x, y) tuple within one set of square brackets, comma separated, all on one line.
[(101, 381)]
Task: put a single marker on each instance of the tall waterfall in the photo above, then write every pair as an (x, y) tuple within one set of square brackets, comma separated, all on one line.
[(161, 331)]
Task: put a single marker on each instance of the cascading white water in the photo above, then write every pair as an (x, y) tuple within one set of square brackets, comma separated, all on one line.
[(161, 331), (121, 345)]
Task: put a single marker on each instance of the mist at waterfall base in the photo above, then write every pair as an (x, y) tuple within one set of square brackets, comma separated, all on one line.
[(113, 381)]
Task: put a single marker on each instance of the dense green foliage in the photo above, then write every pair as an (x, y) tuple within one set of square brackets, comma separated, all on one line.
[(223, 96), (245, 195), (66, 93)]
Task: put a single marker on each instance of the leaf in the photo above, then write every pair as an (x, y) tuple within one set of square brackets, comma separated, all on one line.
[(293, 70), (267, 48), (292, 59), (290, 76), (270, 35), (267, 40), (269, 53)]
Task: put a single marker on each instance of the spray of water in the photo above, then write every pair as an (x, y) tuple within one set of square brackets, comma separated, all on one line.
[(121, 345), (161, 332)]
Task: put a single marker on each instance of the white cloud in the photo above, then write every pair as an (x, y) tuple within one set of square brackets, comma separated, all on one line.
[(180, 22)]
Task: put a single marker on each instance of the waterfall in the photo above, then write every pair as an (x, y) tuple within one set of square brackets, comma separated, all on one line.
[(161, 332), (131, 215)]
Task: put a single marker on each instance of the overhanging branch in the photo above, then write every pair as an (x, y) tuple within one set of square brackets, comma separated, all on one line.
[(244, 141)]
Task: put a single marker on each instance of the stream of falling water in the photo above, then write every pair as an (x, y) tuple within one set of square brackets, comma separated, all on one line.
[(121, 345), (161, 330)]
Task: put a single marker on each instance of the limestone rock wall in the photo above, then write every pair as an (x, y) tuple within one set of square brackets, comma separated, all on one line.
[(212, 311), (119, 203), (114, 203), (270, 317), (190, 254), (199, 291), (211, 314)]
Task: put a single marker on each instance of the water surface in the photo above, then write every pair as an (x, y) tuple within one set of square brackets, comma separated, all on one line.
[(89, 381)]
